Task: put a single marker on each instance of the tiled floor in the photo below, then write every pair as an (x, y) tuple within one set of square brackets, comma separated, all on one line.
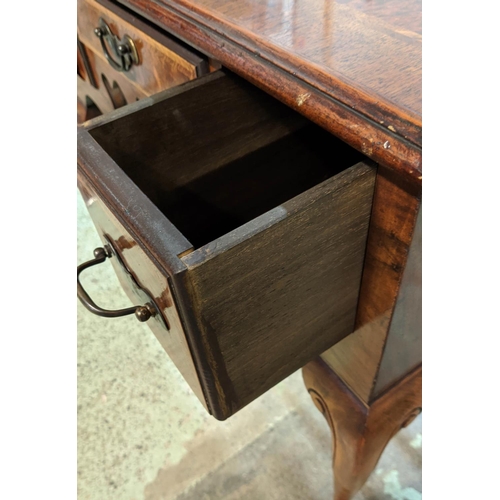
[(143, 435)]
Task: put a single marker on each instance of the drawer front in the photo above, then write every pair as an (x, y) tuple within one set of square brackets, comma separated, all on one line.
[(162, 63), (168, 329), (258, 218), (107, 88)]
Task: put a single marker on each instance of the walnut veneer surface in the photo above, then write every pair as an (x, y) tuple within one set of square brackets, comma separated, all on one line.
[(352, 66)]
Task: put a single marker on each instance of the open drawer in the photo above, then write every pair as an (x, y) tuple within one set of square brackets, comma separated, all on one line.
[(240, 226)]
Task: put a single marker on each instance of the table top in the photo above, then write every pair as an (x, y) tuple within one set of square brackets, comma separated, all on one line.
[(360, 58)]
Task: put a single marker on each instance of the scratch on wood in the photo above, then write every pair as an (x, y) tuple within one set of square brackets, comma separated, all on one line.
[(367, 149), (302, 98)]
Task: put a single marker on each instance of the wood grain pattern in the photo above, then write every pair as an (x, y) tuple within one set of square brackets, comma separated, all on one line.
[(274, 281), (98, 93), (269, 301), (342, 40), (354, 68), (209, 124), (392, 228), (360, 432), (163, 63), (101, 68), (357, 357), (353, 73), (403, 347)]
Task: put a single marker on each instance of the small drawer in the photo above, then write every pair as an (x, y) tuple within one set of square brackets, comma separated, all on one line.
[(153, 62), (246, 223)]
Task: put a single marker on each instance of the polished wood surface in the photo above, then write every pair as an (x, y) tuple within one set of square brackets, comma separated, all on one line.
[(91, 100), (360, 432), (403, 347), (353, 69), (375, 46), (393, 228), (104, 72), (265, 255), (163, 63)]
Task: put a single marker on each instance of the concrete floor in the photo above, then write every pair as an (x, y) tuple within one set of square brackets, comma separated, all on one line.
[(142, 435)]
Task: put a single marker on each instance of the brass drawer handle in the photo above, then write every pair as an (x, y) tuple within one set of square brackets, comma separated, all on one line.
[(124, 50), (142, 313)]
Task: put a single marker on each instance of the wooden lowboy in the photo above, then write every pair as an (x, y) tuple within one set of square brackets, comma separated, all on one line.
[(268, 216)]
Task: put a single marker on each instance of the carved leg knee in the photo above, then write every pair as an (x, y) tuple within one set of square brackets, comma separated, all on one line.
[(360, 431)]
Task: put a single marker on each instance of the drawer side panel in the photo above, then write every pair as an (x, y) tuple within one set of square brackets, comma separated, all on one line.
[(267, 306)]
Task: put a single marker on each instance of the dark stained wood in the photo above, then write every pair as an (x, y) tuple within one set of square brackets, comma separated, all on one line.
[(360, 432), (274, 281), (134, 210), (208, 124), (163, 63), (224, 199), (269, 299), (352, 72), (394, 216), (149, 276)]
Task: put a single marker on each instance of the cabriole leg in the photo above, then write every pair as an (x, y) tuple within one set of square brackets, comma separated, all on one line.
[(360, 432)]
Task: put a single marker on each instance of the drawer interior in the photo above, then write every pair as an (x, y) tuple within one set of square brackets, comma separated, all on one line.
[(251, 224), (218, 155)]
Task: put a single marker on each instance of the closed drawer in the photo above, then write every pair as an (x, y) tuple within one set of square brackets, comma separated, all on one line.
[(246, 223), (158, 62)]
